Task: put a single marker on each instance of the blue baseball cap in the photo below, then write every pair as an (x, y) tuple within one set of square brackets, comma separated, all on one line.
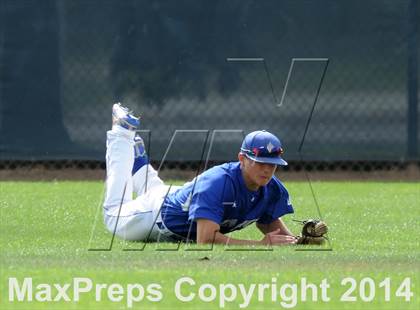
[(263, 147)]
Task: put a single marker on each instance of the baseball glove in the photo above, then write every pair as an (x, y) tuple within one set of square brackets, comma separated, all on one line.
[(313, 232)]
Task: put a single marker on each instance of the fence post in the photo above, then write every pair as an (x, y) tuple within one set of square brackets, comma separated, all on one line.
[(412, 80)]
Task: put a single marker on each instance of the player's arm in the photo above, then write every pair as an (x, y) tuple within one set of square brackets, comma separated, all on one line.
[(209, 232), (277, 224)]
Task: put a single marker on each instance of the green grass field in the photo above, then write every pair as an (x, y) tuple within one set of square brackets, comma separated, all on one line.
[(47, 228)]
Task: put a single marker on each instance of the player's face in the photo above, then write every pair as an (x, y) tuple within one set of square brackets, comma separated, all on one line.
[(256, 174)]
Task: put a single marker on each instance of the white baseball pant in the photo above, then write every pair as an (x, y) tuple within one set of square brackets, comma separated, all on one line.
[(128, 218)]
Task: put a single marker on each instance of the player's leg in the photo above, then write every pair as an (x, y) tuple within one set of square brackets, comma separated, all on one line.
[(145, 177), (119, 160), (122, 215), (150, 189)]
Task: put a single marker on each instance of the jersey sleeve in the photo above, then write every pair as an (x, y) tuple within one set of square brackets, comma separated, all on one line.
[(278, 206), (208, 195)]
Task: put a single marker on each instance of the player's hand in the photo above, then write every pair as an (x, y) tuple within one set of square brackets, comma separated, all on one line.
[(275, 238)]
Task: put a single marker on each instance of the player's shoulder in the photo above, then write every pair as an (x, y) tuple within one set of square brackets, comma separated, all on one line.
[(216, 180), (276, 185), (223, 172), (226, 169)]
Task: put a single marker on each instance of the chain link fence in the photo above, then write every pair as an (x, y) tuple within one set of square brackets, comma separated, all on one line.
[(205, 73)]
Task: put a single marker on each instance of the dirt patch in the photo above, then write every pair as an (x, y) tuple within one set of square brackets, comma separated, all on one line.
[(44, 174), (409, 173)]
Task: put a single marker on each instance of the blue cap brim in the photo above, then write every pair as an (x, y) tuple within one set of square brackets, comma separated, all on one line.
[(268, 160)]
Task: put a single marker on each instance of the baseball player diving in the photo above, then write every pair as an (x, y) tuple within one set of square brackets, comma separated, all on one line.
[(222, 199)]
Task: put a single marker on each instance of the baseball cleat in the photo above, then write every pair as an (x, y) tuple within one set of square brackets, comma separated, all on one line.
[(122, 116)]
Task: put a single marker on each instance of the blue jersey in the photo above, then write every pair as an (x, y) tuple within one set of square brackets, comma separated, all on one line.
[(220, 195)]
